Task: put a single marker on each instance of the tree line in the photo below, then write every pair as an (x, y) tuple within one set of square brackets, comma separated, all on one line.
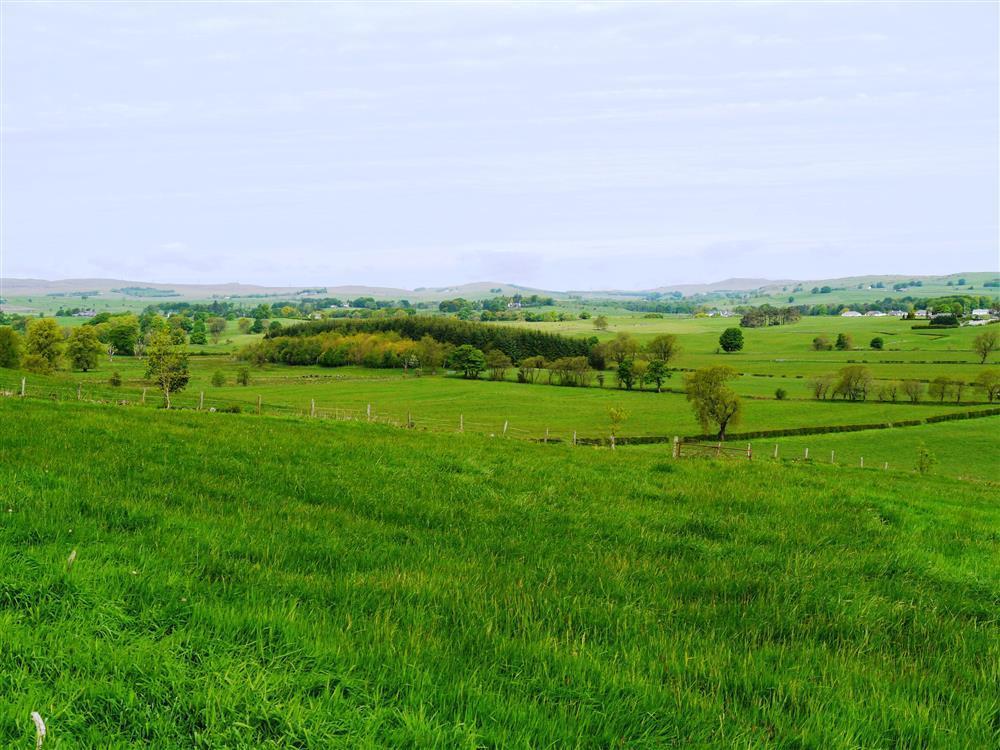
[(516, 343)]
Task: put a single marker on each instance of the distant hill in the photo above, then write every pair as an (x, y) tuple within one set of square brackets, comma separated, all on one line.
[(120, 288)]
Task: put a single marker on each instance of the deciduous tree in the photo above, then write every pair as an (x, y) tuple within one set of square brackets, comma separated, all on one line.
[(45, 340), (10, 348), (731, 340), (986, 343), (83, 348), (713, 401)]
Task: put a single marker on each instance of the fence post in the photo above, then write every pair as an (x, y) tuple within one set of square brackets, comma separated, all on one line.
[(258, 403), (831, 457), (677, 447), (409, 420), (718, 449), (461, 423), (166, 393), (749, 453), (574, 437), (776, 450), (505, 427), (312, 407), (143, 396), (886, 466), (546, 434), (201, 400), (862, 462), (79, 391), (368, 412), (806, 456), (23, 380), (612, 442)]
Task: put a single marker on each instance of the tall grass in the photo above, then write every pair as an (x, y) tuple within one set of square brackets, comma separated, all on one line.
[(250, 582)]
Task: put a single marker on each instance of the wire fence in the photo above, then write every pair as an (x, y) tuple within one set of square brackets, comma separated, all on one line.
[(17, 385)]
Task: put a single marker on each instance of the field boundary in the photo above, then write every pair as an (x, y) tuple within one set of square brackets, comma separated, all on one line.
[(190, 401)]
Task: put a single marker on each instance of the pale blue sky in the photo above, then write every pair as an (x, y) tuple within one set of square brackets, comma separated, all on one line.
[(576, 145)]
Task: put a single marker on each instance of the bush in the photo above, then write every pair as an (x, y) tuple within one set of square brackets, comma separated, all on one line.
[(877, 343), (115, 379), (218, 378), (781, 394), (243, 376), (844, 341)]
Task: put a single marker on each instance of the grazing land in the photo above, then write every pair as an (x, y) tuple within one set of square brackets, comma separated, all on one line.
[(249, 524), (267, 582)]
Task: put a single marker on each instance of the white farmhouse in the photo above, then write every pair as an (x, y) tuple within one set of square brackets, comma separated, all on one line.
[(850, 314)]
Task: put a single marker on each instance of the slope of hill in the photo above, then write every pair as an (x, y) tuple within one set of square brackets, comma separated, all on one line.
[(259, 582)]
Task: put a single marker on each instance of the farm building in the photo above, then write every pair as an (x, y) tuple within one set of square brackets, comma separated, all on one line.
[(850, 314)]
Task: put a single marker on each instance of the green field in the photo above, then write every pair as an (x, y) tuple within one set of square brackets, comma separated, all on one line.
[(443, 403), (259, 582)]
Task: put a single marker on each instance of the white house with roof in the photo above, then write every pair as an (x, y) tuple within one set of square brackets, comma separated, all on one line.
[(850, 314)]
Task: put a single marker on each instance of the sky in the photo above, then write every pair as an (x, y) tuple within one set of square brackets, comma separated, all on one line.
[(562, 145)]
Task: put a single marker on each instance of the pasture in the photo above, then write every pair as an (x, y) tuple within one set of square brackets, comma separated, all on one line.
[(255, 582)]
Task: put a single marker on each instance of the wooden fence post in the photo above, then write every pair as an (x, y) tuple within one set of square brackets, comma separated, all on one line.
[(776, 450), (201, 400), (612, 442), (749, 452), (505, 427), (806, 456), (546, 434), (368, 412), (574, 437), (409, 420), (862, 462), (886, 466), (258, 404), (461, 423), (677, 447), (312, 407), (831, 456), (23, 382), (143, 396)]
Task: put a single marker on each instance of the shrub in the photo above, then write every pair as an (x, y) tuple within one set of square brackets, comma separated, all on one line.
[(243, 376), (781, 394), (218, 378), (115, 379), (844, 341), (877, 343)]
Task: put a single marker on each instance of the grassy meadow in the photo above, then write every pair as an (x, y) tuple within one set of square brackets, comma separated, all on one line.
[(249, 582)]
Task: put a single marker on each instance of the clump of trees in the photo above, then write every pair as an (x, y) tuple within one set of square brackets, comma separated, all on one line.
[(516, 343), (468, 360), (766, 315)]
